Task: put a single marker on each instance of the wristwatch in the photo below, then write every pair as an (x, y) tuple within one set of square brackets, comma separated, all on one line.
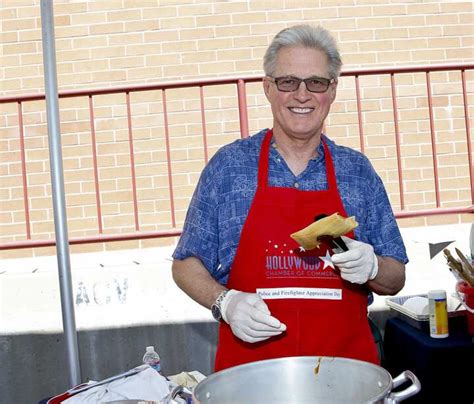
[(216, 307)]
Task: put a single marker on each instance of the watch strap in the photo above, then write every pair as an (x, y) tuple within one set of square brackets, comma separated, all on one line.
[(216, 307), (225, 302)]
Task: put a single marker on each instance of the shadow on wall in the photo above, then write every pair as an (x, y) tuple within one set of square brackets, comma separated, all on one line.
[(37, 366)]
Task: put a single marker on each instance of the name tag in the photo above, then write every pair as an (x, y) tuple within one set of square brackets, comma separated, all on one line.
[(300, 293)]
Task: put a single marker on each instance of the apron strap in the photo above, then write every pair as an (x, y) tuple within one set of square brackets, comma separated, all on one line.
[(263, 161), (330, 171)]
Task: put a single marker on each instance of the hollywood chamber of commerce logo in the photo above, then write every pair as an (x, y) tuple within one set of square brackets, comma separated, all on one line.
[(291, 260)]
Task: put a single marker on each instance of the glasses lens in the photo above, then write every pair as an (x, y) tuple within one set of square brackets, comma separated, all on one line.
[(287, 83), (317, 84)]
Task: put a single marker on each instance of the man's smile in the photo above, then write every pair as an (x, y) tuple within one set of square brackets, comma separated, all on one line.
[(297, 110)]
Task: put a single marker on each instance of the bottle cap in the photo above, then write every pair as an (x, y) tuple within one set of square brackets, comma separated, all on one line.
[(437, 294), (150, 348)]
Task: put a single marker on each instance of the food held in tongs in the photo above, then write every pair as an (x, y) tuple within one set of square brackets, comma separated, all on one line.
[(325, 229)]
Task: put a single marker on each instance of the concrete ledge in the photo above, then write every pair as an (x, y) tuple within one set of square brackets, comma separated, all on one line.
[(36, 368)]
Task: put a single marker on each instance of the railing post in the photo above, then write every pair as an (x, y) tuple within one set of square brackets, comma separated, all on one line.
[(23, 171), (397, 141), (433, 139), (243, 117), (203, 123), (168, 158), (132, 161), (468, 133), (359, 115), (96, 167)]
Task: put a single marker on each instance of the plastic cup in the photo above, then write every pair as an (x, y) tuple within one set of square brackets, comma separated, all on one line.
[(468, 302)]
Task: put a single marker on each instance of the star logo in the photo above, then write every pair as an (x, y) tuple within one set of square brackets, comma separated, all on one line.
[(327, 261), (301, 249)]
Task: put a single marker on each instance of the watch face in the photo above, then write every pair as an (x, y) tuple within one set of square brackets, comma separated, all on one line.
[(216, 312)]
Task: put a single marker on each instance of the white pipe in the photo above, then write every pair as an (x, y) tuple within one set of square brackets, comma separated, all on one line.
[(57, 183)]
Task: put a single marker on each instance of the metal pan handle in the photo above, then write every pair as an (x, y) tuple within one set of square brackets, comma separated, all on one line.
[(411, 390)]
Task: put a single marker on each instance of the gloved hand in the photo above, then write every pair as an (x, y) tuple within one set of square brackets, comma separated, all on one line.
[(359, 264), (249, 317)]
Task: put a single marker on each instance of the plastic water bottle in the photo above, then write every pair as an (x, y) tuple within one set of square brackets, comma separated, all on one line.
[(152, 358)]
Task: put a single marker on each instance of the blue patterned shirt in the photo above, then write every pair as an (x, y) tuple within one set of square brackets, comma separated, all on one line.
[(225, 191)]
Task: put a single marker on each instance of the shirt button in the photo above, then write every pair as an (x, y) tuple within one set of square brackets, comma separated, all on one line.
[(279, 160), (297, 185)]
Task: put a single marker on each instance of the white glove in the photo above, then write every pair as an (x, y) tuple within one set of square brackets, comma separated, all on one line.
[(359, 264), (249, 317)]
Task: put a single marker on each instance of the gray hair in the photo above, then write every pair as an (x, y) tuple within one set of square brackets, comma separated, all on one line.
[(306, 36)]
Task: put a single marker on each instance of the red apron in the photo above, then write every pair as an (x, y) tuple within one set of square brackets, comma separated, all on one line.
[(324, 315)]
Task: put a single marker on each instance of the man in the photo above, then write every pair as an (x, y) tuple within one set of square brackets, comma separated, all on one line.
[(236, 255)]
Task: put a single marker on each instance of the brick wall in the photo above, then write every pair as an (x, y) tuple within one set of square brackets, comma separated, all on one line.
[(111, 43)]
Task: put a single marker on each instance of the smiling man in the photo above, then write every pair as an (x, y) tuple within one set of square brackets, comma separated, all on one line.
[(236, 256)]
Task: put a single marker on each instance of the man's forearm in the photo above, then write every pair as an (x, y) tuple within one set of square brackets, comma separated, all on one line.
[(194, 279), (390, 278)]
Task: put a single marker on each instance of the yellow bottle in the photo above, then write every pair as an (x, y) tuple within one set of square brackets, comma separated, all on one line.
[(438, 314)]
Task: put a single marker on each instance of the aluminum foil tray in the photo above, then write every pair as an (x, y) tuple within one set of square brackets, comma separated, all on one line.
[(420, 321)]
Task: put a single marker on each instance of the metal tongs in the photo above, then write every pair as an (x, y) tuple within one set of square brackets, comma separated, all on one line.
[(337, 244)]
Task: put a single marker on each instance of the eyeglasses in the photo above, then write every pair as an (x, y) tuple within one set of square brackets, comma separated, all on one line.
[(314, 84)]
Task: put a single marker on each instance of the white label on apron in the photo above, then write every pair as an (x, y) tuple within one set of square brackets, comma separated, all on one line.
[(300, 293)]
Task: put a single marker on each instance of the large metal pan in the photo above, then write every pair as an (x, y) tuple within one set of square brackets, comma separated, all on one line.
[(305, 379)]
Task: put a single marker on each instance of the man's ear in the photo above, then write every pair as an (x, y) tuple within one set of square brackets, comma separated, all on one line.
[(266, 86), (333, 89)]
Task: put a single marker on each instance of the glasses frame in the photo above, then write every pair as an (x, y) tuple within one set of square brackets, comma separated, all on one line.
[(322, 79)]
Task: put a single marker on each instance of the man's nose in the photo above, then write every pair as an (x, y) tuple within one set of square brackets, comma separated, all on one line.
[(302, 91)]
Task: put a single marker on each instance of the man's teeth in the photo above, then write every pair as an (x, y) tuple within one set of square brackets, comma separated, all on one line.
[(301, 110)]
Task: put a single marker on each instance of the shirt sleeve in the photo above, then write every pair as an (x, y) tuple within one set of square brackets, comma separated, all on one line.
[(380, 227), (199, 237)]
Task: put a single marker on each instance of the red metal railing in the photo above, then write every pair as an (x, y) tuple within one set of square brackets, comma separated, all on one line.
[(240, 84), (427, 70)]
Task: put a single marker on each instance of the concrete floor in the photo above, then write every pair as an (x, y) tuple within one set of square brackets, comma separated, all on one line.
[(126, 300)]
